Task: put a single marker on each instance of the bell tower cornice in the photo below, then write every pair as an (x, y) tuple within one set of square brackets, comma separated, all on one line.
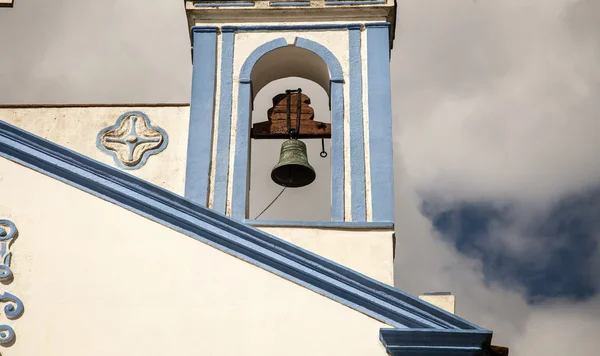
[(255, 12)]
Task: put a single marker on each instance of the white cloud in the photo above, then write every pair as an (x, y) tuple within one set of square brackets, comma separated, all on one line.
[(496, 101)]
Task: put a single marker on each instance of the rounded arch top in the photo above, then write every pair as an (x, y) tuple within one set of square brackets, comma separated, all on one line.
[(331, 65), (335, 68)]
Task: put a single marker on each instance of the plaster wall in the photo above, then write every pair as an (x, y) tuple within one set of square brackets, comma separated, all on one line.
[(77, 129), (446, 302), (369, 252), (97, 279)]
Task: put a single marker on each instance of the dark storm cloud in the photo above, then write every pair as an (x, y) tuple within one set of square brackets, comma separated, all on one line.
[(559, 246)]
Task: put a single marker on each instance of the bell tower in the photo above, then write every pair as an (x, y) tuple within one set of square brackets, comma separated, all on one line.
[(238, 48), (241, 46)]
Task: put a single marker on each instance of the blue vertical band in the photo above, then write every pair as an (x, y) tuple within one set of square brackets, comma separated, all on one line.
[(201, 114), (224, 128), (241, 169), (380, 122), (357, 141), (337, 150)]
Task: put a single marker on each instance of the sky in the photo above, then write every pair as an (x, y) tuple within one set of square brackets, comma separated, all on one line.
[(496, 134)]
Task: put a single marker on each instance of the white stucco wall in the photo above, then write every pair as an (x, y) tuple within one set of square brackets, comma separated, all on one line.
[(369, 252), (99, 280), (77, 129)]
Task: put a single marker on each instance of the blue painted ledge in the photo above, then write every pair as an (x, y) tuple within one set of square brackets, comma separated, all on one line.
[(290, 3), (223, 4), (427, 342), (379, 225), (353, 2), (348, 287)]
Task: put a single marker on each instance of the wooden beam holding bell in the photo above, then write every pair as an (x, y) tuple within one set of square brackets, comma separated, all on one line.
[(276, 126)]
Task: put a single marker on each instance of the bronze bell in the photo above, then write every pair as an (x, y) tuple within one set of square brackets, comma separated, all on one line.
[(293, 169)]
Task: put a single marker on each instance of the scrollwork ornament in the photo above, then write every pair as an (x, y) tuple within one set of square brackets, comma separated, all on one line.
[(8, 233), (7, 335), (14, 306)]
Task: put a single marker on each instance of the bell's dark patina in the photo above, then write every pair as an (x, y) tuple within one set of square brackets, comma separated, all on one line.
[(293, 169)]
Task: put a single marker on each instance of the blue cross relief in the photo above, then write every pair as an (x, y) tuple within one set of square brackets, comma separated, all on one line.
[(132, 140)]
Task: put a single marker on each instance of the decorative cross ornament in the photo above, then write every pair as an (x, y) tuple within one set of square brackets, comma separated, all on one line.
[(132, 140)]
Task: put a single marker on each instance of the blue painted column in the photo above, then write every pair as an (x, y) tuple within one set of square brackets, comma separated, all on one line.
[(380, 121), (241, 171), (224, 128), (201, 114), (357, 142), (337, 149)]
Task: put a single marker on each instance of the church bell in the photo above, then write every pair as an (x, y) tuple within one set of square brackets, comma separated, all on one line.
[(293, 169)]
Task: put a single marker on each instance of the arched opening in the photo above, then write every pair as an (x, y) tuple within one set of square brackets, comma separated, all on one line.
[(289, 61), (269, 62), (309, 203)]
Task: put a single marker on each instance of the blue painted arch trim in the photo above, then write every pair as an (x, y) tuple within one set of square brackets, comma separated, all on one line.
[(335, 68), (240, 181), (257, 54)]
